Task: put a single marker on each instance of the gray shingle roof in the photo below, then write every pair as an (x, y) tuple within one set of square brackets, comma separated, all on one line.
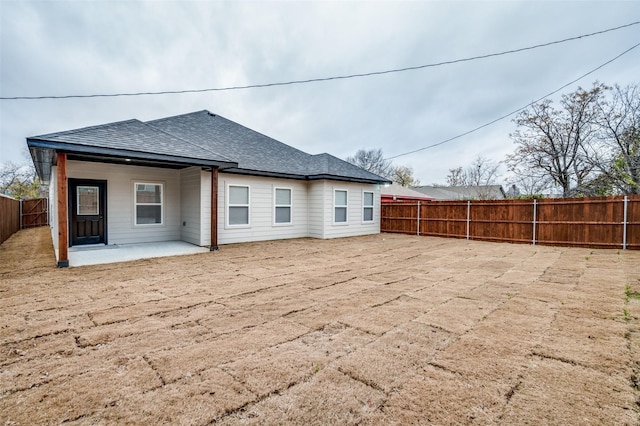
[(481, 192), (203, 137), (255, 152), (400, 191), (134, 136)]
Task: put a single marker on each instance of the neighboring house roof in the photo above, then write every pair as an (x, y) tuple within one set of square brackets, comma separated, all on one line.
[(462, 192), (199, 138), (397, 192)]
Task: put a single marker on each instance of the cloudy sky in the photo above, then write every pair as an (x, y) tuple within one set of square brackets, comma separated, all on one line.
[(52, 48)]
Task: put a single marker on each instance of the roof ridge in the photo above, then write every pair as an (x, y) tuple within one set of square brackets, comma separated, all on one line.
[(146, 123), (82, 129), (180, 115), (259, 133)]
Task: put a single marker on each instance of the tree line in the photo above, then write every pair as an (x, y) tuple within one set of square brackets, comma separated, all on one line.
[(586, 145)]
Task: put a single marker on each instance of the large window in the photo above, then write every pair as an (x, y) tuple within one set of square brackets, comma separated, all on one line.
[(237, 205), (148, 203), (282, 206), (339, 206), (367, 206)]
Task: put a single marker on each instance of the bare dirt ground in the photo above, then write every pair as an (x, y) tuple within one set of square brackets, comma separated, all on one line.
[(384, 329)]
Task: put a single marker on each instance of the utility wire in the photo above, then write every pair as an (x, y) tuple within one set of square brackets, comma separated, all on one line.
[(515, 111), (313, 80)]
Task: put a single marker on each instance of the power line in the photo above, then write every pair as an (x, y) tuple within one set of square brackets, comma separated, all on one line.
[(517, 110), (314, 80)]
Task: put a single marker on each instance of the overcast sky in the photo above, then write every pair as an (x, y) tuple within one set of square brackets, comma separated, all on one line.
[(102, 47)]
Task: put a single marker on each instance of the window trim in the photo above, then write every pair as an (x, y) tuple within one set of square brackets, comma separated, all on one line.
[(229, 205), (276, 205), (136, 204), (345, 206), (372, 206)]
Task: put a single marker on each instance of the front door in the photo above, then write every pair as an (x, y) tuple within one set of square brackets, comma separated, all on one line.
[(87, 211)]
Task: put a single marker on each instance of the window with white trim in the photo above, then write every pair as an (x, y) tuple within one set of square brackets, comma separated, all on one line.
[(148, 202), (367, 206), (282, 206), (237, 205), (340, 206)]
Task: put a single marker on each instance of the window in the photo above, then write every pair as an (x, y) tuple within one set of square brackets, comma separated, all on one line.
[(88, 201), (282, 206), (237, 205), (148, 203), (339, 206), (367, 206)]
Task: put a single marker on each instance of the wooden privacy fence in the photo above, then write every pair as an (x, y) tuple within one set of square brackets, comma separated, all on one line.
[(16, 214), (34, 212), (605, 222), (9, 217)]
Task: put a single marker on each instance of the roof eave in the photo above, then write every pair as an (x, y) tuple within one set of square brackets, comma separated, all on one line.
[(43, 155), (348, 179)]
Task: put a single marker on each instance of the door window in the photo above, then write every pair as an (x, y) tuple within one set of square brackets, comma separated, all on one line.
[(88, 200)]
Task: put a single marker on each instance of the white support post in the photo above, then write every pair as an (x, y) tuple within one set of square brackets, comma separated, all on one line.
[(468, 216), (418, 233), (535, 212), (624, 223)]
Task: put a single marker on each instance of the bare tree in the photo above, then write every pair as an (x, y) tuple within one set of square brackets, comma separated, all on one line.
[(457, 177), (530, 182), (19, 181), (481, 172), (551, 142), (616, 151), (373, 161), (403, 175)]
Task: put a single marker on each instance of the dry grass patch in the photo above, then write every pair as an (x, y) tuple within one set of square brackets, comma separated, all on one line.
[(383, 329)]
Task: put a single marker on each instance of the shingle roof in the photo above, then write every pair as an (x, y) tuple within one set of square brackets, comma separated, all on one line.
[(255, 152), (203, 137), (462, 192), (398, 190), (134, 136)]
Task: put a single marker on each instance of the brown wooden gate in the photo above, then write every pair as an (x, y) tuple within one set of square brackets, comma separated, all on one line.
[(35, 212)]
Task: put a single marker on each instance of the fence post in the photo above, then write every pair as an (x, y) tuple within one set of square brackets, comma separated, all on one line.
[(624, 223), (418, 217), (20, 212), (535, 210), (468, 216)]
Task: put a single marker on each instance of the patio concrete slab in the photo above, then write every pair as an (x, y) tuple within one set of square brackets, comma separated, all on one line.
[(100, 254)]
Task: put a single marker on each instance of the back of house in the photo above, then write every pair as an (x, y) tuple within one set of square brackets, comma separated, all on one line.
[(199, 178)]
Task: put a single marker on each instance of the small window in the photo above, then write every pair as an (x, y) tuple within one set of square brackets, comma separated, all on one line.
[(148, 203), (88, 200), (367, 206), (282, 206), (340, 206), (238, 205)]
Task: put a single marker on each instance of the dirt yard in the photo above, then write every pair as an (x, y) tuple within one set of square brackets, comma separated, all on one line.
[(386, 329)]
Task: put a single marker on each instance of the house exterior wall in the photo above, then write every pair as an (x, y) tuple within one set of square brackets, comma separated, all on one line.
[(261, 209), (190, 206), (316, 194), (121, 228), (187, 206), (205, 208), (355, 224)]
